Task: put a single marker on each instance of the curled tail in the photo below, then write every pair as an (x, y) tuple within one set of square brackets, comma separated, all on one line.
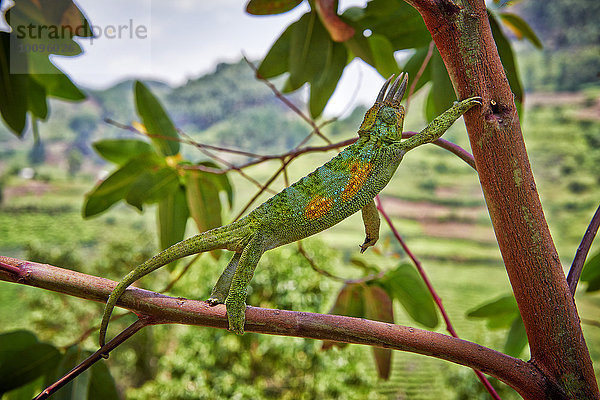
[(217, 238)]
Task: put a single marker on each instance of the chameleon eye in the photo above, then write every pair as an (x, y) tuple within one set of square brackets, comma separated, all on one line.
[(388, 115)]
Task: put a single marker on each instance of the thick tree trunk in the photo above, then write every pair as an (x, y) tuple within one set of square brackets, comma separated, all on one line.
[(463, 37)]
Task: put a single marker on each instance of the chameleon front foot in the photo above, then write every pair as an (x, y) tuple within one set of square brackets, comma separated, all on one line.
[(368, 243)]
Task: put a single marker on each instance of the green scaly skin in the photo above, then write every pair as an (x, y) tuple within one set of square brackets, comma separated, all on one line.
[(347, 183)]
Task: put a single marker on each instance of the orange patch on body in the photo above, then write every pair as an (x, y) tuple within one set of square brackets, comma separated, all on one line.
[(318, 207), (360, 171)]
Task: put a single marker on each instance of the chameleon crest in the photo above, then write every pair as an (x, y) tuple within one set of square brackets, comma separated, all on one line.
[(346, 184)]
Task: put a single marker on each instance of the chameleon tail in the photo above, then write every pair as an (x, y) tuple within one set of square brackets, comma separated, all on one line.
[(211, 240)]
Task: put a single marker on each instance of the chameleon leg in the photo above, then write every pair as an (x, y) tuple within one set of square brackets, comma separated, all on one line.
[(236, 300), (221, 289), (440, 124), (371, 220)]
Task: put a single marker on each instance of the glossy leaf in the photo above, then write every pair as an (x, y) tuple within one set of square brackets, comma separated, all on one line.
[(379, 307), (405, 285), (172, 218), (325, 83), (117, 185), (159, 126), (308, 49), (520, 28), (383, 55), (276, 62), (269, 7), (516, 339), (508, 61), (441, 95), (152, 186), (591, 273), (119, 151), (23, 359), (499, 313)]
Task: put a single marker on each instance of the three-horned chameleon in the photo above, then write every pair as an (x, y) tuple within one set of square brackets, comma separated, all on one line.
[(339, 188)]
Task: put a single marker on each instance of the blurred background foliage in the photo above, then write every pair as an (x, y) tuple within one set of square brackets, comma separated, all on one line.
[(437, 206)]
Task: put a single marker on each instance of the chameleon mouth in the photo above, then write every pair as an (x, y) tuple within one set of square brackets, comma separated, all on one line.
[(396, 91)]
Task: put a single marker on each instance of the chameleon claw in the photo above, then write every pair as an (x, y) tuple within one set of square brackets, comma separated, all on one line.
[(213, 301)]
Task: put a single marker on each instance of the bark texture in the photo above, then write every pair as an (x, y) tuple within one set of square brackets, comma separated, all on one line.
[(462, 34)]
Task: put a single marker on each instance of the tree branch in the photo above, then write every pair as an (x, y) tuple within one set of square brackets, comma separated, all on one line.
[(522, 376), (462, 34)]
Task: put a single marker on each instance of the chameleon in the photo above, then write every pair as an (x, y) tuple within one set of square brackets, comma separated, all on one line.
[(339, 188)]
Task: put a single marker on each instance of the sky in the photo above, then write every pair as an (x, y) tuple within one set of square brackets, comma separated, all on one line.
[(177, 40)]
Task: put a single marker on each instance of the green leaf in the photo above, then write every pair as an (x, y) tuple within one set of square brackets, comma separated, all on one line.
[(508, 61), (269, 7), (158, 125), (13, 101), (152, 186), (591, 273), (500, 313), (172, 218), (399, 22), (379, 307), (203, 199), (24, 359), (276, 62), (441, 96), (308, 49), (119, 151), (383, 55), (36, 99), (516, 339), (117, 185), (405, 284), (325, 83), (520, 28), (102, 384), (350, 301)]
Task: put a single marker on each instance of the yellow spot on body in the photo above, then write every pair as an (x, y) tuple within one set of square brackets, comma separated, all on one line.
[(318, 207), (360, 172)]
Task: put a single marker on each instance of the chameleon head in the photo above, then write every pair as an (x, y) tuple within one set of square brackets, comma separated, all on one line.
[(386, 118)]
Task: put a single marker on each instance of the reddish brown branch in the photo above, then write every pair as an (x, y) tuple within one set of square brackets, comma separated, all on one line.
[(463, 37), (582, 252), (522, 376), (436, 298)]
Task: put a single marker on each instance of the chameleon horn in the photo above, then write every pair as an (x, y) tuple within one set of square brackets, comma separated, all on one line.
[(393, 89), (383, 89), (400, 93)]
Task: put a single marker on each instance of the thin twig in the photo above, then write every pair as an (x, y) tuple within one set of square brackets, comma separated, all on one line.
[(437, 299), (582, 252), (420, 73), (288, 103), (91, 360)]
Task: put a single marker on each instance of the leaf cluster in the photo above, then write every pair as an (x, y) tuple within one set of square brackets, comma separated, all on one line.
[(155, 173)]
